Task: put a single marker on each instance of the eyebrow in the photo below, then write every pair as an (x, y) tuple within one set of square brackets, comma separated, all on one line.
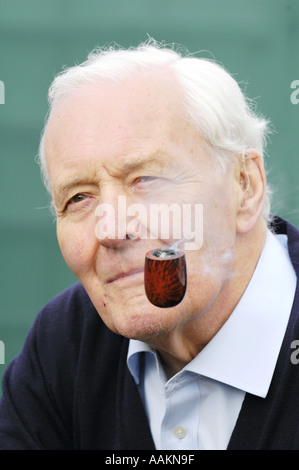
[(141, 162), (127, 167), (62, 191)]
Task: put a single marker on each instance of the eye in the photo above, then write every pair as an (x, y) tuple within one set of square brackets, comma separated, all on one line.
[(145, 179), (76, 199)]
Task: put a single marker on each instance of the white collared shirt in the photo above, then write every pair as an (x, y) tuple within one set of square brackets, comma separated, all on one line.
[(199, 406)]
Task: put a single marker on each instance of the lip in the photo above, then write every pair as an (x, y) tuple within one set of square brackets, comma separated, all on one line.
[(124, 275)]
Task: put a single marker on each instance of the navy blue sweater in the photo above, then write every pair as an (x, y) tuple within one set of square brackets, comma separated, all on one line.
[(70, 388)]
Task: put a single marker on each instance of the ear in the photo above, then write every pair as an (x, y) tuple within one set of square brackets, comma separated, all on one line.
[(251, 180)]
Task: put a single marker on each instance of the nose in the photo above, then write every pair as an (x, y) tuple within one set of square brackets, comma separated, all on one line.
[(111, 227)]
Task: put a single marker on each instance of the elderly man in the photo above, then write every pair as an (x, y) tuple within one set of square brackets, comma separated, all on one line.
[(103, 367)]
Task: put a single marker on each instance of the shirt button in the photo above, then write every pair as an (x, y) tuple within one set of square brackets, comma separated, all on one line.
[(179, 432)]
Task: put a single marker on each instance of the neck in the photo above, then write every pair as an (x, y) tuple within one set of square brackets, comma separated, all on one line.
[(182, 345)]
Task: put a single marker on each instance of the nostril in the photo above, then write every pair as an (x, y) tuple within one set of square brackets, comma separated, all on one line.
[(130, 236)]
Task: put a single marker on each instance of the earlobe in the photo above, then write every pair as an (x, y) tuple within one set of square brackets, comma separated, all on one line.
[(252, 187)]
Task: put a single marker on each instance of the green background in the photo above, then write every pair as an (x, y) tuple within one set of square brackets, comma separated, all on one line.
[(257, 40)]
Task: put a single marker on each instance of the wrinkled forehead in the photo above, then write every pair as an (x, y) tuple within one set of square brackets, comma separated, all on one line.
[(138, 96), (114, 118)]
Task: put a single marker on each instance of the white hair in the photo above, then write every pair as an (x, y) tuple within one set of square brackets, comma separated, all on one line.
[(215, 104)]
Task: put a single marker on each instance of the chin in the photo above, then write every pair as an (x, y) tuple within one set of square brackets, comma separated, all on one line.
[(129, 313), (143, 321)]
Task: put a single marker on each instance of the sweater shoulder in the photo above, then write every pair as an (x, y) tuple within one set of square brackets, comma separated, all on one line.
[(67, 327), (67, 312), (73, 299)]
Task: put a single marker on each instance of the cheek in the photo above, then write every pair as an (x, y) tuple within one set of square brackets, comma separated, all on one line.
[(219, 219), (204, 283), (78, 248)]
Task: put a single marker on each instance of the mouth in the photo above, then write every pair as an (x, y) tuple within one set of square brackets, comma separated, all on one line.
[(125, 275)]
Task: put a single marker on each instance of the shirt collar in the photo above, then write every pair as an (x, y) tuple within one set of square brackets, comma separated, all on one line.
[(136, 348), (244, 352)]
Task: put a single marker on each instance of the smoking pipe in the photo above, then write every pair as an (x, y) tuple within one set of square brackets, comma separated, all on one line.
[(165, 277)]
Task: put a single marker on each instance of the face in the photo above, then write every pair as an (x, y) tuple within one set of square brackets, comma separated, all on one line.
[(132, 140)]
